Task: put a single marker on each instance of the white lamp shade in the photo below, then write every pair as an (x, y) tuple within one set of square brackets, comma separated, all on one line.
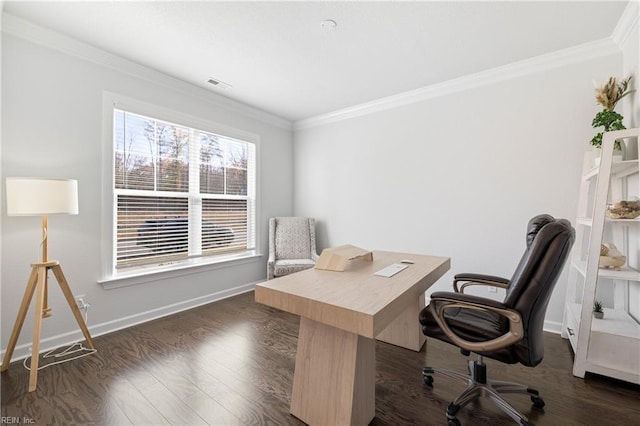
[(37, 196)]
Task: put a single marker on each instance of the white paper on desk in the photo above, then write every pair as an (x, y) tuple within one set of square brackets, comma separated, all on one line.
[(390, 270)]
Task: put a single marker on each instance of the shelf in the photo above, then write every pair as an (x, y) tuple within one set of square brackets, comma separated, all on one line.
[(609, 346), (624, 169), (619, 169), (615, 322), (587, 221), (625, 273), (634, 222)]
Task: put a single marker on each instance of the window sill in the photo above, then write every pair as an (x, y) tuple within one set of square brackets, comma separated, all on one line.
[(148, 274)]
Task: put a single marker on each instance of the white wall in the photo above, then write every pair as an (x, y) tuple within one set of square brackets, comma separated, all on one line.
[(630, 43), (458, 174), (52, 127)]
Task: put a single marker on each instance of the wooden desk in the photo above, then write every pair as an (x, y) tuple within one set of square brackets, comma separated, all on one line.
[(341, 314)]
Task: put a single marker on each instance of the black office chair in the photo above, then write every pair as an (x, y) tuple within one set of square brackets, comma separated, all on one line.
[(509, 331)]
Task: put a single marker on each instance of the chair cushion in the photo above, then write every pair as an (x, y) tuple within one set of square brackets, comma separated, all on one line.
[(472, 325), (289, 266), (292, 238)]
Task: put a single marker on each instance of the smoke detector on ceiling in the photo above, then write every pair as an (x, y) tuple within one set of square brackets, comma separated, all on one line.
[(328, 25), (218, 84)]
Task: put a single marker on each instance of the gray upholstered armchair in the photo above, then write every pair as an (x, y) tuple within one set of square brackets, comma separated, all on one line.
[(292, 245)]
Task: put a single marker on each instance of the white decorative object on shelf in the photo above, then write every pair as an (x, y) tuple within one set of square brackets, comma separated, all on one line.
[(625, 209), (611, 257)]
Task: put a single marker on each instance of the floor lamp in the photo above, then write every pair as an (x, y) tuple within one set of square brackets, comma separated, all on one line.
[(41, 197)]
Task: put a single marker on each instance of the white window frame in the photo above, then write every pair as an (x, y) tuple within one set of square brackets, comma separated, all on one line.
[(112, 278)]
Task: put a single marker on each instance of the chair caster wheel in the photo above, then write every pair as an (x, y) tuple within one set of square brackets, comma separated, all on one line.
[(537, 401), (428, 380), (453, 422)]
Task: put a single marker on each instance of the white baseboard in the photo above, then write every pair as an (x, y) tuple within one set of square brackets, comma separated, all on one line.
[(552, 327), (65, 339)]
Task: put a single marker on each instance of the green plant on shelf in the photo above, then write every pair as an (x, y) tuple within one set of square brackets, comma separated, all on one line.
[(611, 121), (597, 306)]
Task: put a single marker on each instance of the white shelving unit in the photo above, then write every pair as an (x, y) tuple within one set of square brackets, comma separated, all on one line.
[(608, 346)]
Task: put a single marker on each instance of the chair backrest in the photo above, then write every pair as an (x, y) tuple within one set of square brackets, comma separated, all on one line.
[(293, 237), (549, 242)]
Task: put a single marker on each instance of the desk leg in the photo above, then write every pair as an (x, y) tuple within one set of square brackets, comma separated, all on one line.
[(334, 379), (405, 330)]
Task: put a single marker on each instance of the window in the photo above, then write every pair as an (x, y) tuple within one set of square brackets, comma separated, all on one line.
[(179, 192)]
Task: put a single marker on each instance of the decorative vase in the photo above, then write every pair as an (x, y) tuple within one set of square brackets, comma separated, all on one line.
[(618, 155)]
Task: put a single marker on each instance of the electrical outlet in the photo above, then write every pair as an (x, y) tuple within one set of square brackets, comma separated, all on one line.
[(81, 301), (492, 289)]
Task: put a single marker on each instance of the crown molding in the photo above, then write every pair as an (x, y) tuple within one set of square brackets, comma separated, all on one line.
[(626, 23), (534, 65), (33, 33)]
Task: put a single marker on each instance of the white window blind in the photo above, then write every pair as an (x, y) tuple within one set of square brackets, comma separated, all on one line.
[(180, 192)]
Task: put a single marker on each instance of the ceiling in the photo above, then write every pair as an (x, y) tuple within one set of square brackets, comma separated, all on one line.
[(278, 58)]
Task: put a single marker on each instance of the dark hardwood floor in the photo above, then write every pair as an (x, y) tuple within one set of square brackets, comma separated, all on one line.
[(231, 363)]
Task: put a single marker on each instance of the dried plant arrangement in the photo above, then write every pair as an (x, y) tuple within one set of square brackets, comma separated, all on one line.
[(612, 91), (608, 95)]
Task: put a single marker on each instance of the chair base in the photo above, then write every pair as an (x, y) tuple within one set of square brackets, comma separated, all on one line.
[(477, 386)]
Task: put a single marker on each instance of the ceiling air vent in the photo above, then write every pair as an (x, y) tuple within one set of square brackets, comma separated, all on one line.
[(219, 84)]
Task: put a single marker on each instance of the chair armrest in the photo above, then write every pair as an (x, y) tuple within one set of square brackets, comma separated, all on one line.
[(468, 298), (441, 301), (478, 279), (312, 235)]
